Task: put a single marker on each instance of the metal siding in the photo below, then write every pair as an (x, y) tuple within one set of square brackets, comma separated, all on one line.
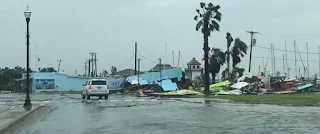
[(76, 83), (114, 84), (61, 82)]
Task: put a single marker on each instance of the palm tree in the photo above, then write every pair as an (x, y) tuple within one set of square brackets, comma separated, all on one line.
[(229, 41), (217, 59), (239, 50), (208, 23), (105, 73), (113, 70)]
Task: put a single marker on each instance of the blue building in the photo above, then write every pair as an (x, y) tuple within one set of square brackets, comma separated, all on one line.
[(61, 82), (53, 81)]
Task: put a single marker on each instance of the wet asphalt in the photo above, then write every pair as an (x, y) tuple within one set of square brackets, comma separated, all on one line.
[(125, 114)]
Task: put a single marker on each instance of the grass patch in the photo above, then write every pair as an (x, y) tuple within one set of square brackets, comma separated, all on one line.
[(298, 99)]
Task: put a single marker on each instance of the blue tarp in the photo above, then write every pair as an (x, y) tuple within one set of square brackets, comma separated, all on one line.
[(173, 73), (141, 80), (168, 85), (154, 77)]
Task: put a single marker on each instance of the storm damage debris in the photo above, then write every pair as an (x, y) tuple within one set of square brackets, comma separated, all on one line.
[(249, 84)]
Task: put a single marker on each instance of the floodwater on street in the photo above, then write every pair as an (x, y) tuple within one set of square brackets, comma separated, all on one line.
[(124, 114)]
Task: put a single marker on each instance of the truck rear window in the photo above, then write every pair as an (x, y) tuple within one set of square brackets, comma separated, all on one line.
[(99, 83)]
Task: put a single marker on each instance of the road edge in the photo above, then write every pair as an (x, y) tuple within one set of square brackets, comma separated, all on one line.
[(7, 126)]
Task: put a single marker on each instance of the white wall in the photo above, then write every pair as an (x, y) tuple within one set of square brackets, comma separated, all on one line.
[(195, 74)]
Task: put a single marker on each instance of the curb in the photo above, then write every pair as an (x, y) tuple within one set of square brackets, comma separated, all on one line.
[(199, 102), (7, 126)]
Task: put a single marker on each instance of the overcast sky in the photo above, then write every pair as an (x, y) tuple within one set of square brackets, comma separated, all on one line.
[(70, 29)]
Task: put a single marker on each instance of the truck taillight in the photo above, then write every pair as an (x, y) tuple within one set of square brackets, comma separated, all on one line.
[(107, 86), (90, 86)]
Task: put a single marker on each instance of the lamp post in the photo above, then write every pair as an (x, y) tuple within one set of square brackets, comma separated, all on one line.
[(27, 102)]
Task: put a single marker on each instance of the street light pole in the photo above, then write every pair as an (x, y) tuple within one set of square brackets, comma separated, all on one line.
[(27, 102), (251, 32)]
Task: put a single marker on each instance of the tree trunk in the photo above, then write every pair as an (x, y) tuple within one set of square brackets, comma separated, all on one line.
[(213, 78), (206, 57), (228, 62)]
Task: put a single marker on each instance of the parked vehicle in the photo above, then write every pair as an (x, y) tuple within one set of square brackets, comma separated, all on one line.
[(95, 87)]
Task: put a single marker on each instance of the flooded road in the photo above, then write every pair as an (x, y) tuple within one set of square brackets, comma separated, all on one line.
[(124, 114)]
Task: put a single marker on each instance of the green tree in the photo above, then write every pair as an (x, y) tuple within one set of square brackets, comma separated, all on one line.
[(105, 73), (7, 75), (48, 69), (207, 22), (113, 70), (217, 59), (239, 50)]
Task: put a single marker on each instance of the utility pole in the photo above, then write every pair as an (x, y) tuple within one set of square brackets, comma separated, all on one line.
[(252, 33), (59, 65), (92, 61), (308, 61), (135, 58), (139, 71), (85, 68), (160, 71), (89, 61), (95, 63), (295, 58)]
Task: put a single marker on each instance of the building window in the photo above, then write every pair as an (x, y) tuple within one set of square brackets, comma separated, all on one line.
[(198, 67), (193, 67), (189, 67)]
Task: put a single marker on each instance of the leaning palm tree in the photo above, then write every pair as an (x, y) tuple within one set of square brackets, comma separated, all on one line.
[(239, 50), (207, 21), (217, 59)]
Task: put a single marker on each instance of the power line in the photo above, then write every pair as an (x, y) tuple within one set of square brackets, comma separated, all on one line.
[(120, 65), (284, 50), (147, 58), (282, 59)]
